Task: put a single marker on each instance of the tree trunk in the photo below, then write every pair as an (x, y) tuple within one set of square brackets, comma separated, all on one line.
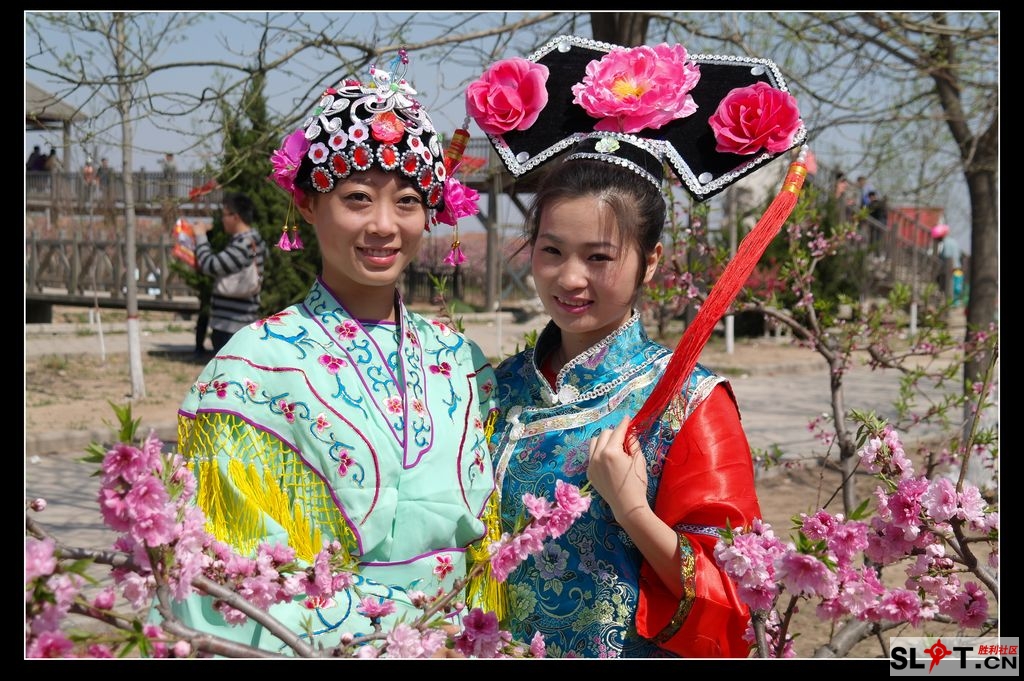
[(130, 257), (628, 29)]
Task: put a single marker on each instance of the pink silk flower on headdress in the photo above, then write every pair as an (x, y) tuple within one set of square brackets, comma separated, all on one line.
[(630, 89), (460, 201), (753, 118), (287, 159), (508, 96)]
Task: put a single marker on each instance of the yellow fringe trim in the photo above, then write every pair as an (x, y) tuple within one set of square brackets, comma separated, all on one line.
[(262, 479), (483, 591)]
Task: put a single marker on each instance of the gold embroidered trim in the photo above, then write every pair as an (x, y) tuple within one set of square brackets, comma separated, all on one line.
[(688, 577)]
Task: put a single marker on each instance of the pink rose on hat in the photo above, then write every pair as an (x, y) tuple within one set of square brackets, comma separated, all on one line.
[(508, 96), (753, 118)]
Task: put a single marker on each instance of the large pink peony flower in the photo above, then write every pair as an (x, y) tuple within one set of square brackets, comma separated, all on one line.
[(508, 96), (753, 118), (630, 89), (286, 160)]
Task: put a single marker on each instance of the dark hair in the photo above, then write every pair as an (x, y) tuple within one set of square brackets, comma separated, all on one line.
[(638, 205), (239, 203)]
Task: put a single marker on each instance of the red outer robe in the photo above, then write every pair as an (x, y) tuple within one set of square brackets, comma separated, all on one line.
[(708, 479)]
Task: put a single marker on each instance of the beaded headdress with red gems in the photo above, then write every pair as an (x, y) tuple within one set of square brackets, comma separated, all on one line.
[(357, 126)]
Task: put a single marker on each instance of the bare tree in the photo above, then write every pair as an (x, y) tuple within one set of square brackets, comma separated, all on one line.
[(932, 67)]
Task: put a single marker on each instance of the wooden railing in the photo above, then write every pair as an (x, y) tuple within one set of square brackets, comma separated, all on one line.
[(68, 192), (78, 272)]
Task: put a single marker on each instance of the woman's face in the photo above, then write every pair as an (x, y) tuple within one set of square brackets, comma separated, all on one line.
[(369, 228), (585, 275)]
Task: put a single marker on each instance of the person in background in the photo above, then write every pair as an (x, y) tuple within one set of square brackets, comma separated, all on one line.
[(878, 211), (89, 182), (843, 197), (35, 159), (636, 576), (367, 418), (950, 261), (52, 165), (170, 176), (229, 314), (105, 180), (866, 189)]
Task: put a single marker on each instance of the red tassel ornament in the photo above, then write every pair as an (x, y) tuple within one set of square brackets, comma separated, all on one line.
[(725, 290)]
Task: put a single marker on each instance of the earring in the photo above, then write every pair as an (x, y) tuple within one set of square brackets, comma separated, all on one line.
[(284, 243)]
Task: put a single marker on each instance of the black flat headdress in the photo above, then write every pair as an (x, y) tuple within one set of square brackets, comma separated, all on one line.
[(687, 144)]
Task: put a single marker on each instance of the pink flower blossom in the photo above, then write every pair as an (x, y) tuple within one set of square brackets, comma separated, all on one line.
[(277, 319), (406, 642), (221, 388), (331, 363), (347, 329), (504, 558), (481, 637), (509, 95), (969, 607), (570, 499), (375, 607), (39, 558), (972, 506), (126, 462), (537, 648), (940, 499), (630, 89), (444, 368), (753, 118), (344, 462), (50, 644), (898, 605), (460, 201), (287, 159), (444, 566), (105, 599), (804, 574)]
